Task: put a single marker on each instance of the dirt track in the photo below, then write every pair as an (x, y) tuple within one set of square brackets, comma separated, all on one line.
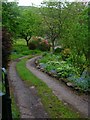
[(26, 97), (64, 93), (30, 104)]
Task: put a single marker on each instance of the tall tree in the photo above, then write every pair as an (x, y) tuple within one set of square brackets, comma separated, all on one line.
[(10, 13), (51, 13), (75, 30), (29, 24), (9, 28)]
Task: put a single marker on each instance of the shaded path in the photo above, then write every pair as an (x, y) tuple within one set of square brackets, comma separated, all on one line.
[(78, 102), (28, 102)]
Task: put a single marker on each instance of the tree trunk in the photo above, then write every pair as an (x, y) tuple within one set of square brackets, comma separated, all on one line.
[(27, 41)]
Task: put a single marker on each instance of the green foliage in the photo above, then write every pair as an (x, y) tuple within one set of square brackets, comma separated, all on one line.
[(65, 24), (75, 29), (70, 22), (65, 69), (66, 53), (10, 13), (29, 23), (51, 20)]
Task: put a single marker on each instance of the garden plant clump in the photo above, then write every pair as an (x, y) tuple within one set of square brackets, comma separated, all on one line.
[(62, 68), (39, 43)]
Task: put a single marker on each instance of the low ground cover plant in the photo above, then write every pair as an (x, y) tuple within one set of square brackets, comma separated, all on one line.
[(64, 68)]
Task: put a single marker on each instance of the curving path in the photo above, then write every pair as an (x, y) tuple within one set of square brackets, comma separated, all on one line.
[(29, 103), (68, 96)]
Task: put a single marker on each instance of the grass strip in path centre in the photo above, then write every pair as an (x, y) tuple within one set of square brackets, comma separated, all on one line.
[(54, 107)]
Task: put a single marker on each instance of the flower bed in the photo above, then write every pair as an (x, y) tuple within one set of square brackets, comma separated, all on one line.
[(54, 66)]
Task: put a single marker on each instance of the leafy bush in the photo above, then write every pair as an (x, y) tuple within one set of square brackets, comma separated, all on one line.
[(44, 45), (66, 69), (32, 45), (39, 43), (66, 53), (54, 62)]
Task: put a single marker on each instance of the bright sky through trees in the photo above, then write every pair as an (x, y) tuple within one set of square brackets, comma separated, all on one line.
[(27, 2), (37, 2)]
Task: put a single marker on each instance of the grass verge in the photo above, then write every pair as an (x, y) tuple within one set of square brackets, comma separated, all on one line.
[(54, 107), (15, 109)]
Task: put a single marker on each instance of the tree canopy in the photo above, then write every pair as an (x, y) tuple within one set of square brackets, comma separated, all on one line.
[(29, 24), (65, 24), (10, 13)]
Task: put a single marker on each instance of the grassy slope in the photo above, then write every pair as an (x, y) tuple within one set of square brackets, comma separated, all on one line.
[(54, 107), (20, 49)]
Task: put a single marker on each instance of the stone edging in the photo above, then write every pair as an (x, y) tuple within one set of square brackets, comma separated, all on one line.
[(69, 84)]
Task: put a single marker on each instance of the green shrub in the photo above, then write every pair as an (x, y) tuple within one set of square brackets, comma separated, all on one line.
[(66, 69), (44, 45), (32, 45), (66, 53), (39, 43)]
